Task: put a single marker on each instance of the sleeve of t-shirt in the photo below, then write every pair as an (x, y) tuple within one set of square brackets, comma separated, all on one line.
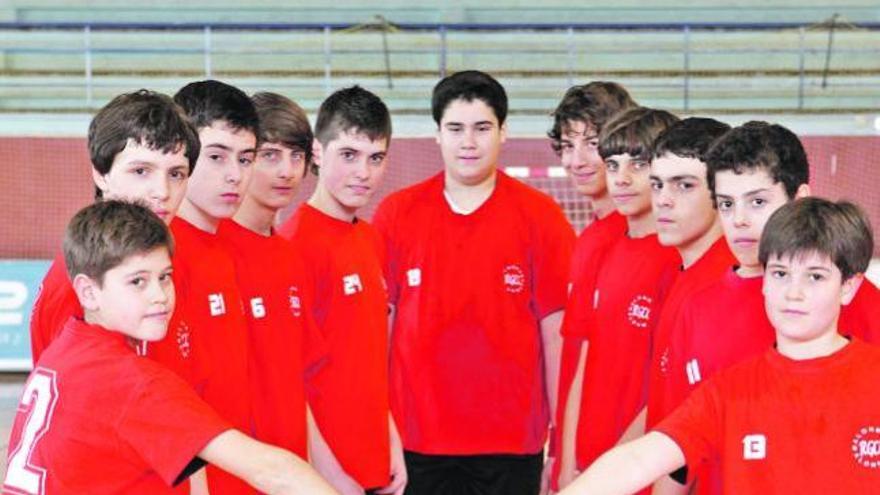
[(551, 255), (167, 424), (55, 304), (383, 221), (696, 425)]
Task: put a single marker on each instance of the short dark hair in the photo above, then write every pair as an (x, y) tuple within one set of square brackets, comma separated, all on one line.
[(760, 145), (206, 102), (633, 132), (838, 230), (145, 117), (689, 138), (352, 109), (469, 85), (283, 121), (594, 104), (102, 235)]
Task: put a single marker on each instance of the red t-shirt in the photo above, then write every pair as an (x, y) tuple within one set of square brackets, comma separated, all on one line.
[(349, 394), (96, 418), (283, 341), (861, 317), (470, 291), (705, 271), (585, 261), (721, 325), (56, 303), (209, 322), (629, 292), (785, 426)]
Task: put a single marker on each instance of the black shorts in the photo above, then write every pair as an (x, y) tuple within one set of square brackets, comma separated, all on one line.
[(500, 474)]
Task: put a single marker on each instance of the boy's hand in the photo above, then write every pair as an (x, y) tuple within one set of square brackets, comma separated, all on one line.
[(398, 466), (343, 483), (546, 473)]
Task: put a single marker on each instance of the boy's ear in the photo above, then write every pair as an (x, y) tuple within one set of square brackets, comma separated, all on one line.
[(86, 291), (100, 181), (850, 287), (803, 191), (317, 152), (503, 131)]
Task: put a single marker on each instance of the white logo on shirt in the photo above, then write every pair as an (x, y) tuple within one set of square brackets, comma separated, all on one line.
[(294, 300), (664, 362), (693, 371), (351, 284), (514, 279), (414, 277), (866, 447), (216, 304), (754, 447), (258, 308), (639, 311)]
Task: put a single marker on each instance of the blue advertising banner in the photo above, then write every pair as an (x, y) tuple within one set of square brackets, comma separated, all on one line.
[(19, 284)]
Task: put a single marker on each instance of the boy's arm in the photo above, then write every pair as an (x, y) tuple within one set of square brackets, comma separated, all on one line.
[(635, 429), (268, 469), (325, 461), (398, 465), (571, 415), (630, 467), (552, 344)]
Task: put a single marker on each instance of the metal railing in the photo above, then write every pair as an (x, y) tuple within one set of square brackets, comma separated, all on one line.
[(337, 52)]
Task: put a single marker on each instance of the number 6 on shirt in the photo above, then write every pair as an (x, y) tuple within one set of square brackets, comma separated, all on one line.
[(40, 395)]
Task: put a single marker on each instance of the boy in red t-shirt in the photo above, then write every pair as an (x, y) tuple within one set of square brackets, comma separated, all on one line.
[(142, 147), (801, 417), (342, 255), (577, 122), (272, 278), (210, 310), (477, 269), (97, 418), (623, 299)]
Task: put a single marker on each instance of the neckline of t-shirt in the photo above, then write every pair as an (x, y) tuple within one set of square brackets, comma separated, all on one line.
[(814, 365), (457, 211)]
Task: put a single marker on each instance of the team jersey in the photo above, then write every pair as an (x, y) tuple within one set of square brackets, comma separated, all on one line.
[(469, 293), (56, 303), (349, 394), (97, 418), (705, 271), (282, 338), (861, 317), (783, 426), (209, 323), (585, 260), (629, 291)]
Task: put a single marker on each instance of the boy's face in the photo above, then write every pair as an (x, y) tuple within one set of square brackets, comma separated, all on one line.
[(681, 200), (470, 139), (745, 202), (579, 154), (629, 184), (278, 171), (136, 298), (803, 295), (150, 176), (351, 167), (223, 170)]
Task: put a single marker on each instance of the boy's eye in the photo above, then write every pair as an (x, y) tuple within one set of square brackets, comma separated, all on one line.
[(759, 202), (270, 155), (347, 155), (817, 277), (724, 204), (215, 157), (138, 282), (778, 273), (245, 161), (656, 185), (178, 174), (639, 165), (140, 171), (612, 166), (484, 128), (377, 159), (298, 156), (685, 186), (593, 143), (165, 277)]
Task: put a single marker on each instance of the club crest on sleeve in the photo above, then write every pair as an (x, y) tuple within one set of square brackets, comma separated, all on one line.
[(514, 279), (866, 447), (216, 304), (414, 277), (639, 311), (754, 447), (294, 301), (351, 284)]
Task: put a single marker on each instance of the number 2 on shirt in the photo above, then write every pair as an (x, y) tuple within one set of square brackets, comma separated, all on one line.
[(40, 395)]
